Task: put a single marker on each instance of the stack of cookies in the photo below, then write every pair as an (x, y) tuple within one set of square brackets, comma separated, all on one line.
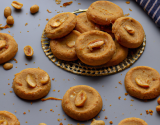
[(100, 36)]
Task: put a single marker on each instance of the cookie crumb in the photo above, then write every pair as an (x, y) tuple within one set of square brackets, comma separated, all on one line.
[(132, 100), (4, 93), (26, 24), (67, 3), (116, 87), (103, 110), (130, 9), (26, 122), (140, 113), (131, 105), (40, 110), (124, 98), (120, 82), (9, 31), (105, 117), (58, 90), (31, 103), (24, 113), (79, 3), (8, 83), (47, 19), (126, 94), (119, 97), (54, 90), (10, 91), (127, 14), (127, 2), (53, 78), (50, 109), (15, 111), (110, 122), (98, 116), (49, 11)]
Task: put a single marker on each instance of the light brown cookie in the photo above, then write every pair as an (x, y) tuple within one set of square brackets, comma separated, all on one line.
[(132, 121), (7, 118), (31, 84), (104, 12), (128, 32), (119, 55), (64, 48), (8, 47), (143, 82), (95, 47), (60, 25), (82, 102), (84, 25)]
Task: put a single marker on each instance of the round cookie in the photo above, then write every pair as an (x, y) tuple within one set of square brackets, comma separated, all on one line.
[(143, 82), (64, 48), (84, 25), (8, 47), (132, 121), (120, 54), (104, 12), (128, 32), (95, 47), (60, 25), (88, 106), (31, 84), (9, 118)]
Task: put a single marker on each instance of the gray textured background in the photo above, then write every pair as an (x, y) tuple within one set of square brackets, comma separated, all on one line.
[(114, 112)]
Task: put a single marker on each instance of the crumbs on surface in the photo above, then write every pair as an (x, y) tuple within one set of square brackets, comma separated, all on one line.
[(130, 9), (61, 123), (59, 119), (53, 78), (28, 110), (140, 113), (110, 122), (103, 110), (15, 111), (4, 93), (9, 31), (10, 91), (119, 97), (126, 94), (105, 117), (124, 98), (127, 14), (67, 3), (58, 1), (26, 122), (79, 3), (27, 31), (49, 11), (24, 113), (31, 103), (132, 100), (58, 90), (127, 2), (26, 64), (120, 82), (131, 105), (26, 24), (15, 60), (8, 83), (47, 19), (54, 90), (116, 87), (40, 110), (38, 24)]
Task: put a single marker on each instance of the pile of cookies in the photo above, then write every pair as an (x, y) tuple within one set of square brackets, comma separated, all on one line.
[(100, 36)]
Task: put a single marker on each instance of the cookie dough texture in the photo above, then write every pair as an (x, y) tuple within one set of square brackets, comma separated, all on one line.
[(84, 25), (24, 91), (9, 117), (98, 56), (132, 121), (104, 12), (9, 50), (128, 32), (91, 107), (147, 74), (67, 23), (64, 48)]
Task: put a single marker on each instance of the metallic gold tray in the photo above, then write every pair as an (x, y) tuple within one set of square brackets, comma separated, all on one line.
[(80, 68)]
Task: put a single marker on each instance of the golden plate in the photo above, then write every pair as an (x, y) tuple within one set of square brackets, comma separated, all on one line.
[(80, 68)]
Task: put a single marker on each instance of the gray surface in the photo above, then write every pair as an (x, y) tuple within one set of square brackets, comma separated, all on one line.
[(150, 58)]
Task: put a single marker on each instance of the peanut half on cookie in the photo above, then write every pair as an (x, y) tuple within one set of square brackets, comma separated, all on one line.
[(31, 84), (82, 102)]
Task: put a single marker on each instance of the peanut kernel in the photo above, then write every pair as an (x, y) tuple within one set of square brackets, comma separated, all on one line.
[(28, 50), (158, 100), (129, 29), (8, 66), (17, 4), (7, 12), (141, 82), (34, 9), (45, 78), (95, 44), (3, 122), (158, 108), (80, 98), (97, 122), (71, 44), (2, 43), (31, 81)]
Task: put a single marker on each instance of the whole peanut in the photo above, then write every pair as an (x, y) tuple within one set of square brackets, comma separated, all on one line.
[(8, 66), (34, 9), (10, 20), (7, 12)]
